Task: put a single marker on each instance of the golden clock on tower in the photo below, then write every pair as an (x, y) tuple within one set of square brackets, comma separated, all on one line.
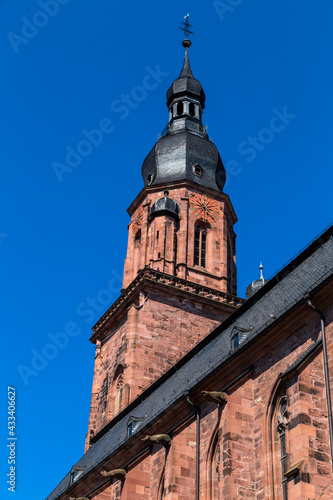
[(204, 208)]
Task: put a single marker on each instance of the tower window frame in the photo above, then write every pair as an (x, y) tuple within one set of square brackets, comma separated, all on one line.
[(180, 108), (137, 238), (200, 245), (191, 109), (197, 170)]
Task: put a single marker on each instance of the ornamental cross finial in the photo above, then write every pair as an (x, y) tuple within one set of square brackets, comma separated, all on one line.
[(186, 26)]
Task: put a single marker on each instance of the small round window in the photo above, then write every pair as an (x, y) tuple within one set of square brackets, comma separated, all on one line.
[(197, 170)]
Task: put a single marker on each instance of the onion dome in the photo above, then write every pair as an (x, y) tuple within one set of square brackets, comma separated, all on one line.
[(256, 285), (165, 206), (184, 156)]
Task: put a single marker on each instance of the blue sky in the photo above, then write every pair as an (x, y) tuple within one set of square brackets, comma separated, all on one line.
[(266, 68)]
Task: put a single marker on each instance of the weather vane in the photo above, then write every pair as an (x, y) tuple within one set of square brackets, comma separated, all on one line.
[(186, 28)]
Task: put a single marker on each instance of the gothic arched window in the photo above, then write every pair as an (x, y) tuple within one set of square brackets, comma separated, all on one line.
[(214, 468), (118, 383), (200, 239), (277, 413), (162, 489), (282, 422), (137, 238)]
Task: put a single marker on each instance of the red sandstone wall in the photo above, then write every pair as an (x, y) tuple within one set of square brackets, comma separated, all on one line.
[(151, 340), (177, 249), (239, 447)]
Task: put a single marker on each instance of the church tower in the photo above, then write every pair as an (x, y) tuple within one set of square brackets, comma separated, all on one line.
[(180, 270)]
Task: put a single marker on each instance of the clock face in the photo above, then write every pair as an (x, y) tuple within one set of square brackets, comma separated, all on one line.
[(137, 219), (204, 208)]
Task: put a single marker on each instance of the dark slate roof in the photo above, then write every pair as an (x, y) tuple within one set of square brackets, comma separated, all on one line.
[(165, 205), (186, 69), (285, 291), (186, 84), (174, 156)]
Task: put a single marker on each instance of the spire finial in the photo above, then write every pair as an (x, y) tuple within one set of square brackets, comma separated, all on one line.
[(186, 28), (261, 267)]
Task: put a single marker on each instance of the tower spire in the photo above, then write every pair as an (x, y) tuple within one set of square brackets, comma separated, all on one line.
[(186, 71)]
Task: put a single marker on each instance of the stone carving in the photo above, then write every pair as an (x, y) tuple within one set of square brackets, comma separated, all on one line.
[(215, 397), (163, 439), (114, 474)]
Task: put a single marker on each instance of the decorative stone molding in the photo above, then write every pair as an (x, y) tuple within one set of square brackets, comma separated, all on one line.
[(151, 275)]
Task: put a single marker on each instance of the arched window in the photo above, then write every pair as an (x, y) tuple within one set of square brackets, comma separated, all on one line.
[(200, 239), (214, 462), (118, 383), (137, 239), (161, 487), (192, 109), (277, 421), (180, 108), (214, 469), (282, 422), (162, 490)]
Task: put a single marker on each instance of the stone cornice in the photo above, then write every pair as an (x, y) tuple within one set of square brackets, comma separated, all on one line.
[(178, 284)]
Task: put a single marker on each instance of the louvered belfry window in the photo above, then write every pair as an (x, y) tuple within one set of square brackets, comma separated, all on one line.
[(200, 246)]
